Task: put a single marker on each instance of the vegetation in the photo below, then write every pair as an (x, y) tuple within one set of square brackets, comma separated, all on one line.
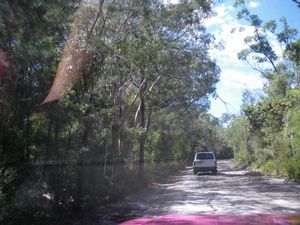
[(97, 100), (132, 81), (266, 134)]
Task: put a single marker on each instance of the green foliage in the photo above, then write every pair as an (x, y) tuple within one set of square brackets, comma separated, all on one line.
[(266, 136), (259, 51), (270, 129), (293, 169), (237, 137), (142, 96), (293, 52)]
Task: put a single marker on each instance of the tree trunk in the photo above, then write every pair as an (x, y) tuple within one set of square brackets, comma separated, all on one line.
[(26, 140), (56, 175), (114, 140), (142, 139)]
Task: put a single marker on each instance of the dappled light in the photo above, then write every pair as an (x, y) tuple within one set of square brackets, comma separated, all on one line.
[(164, 111), (231, 191)]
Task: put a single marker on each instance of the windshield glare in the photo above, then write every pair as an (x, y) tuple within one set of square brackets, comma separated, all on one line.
[(116, 110)]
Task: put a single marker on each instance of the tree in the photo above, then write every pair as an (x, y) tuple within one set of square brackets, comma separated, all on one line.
[(165, 60), (297, 2), (267, 144), (260, 51), (135, 85)]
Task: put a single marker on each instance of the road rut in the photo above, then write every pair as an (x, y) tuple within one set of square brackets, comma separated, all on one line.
[(232, 190)]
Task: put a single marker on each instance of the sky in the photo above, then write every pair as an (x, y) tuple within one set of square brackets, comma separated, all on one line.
[(237, 76)]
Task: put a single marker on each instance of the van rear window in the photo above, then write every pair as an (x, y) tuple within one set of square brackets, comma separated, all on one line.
[(205, 156)]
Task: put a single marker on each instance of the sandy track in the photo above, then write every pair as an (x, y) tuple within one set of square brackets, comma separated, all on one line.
[(232, 191)]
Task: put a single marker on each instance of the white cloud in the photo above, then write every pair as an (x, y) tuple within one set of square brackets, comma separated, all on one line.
[(233, 43), (167, 2), (225, 27), (231, 78), (222, 15), (236, 75), (253, 4), (230, 88)]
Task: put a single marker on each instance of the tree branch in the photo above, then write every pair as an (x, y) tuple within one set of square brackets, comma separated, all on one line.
[(154, 83), (137, 113)]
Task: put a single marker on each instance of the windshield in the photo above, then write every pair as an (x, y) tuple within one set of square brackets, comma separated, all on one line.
[(205, 156), (104, 105)]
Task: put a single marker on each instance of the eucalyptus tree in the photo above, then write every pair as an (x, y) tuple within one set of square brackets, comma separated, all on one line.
[(167, 58), (269, 138), (121, 72)]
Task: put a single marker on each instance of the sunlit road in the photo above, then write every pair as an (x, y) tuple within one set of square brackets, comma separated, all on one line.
[(232, 191)]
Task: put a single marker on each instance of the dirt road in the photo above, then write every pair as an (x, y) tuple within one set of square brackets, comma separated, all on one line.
[(232, 191)]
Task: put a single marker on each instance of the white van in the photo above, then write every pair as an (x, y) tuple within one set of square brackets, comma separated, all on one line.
[(205, 161)]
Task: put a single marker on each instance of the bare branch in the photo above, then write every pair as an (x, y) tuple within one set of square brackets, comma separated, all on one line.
[(225, 103), (137, 113), (96, 19), (133, 82), (154, 83), (142, 84), (121, 89)]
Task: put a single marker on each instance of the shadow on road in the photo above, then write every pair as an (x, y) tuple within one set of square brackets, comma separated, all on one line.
[(231, 191)]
